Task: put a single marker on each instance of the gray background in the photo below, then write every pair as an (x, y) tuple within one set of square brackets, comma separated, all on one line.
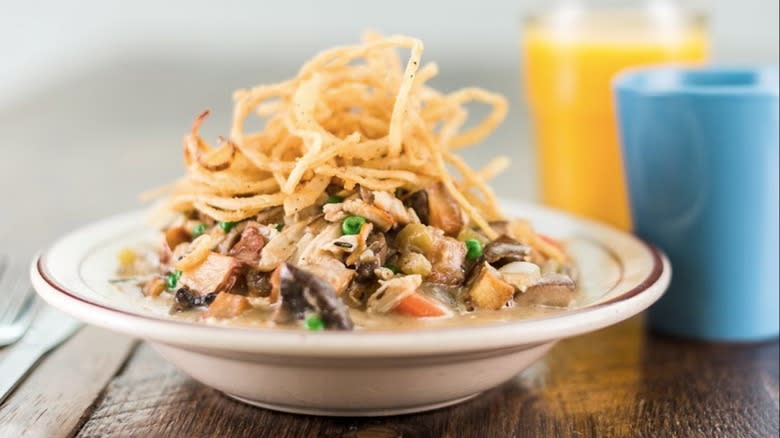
[(96, 95)]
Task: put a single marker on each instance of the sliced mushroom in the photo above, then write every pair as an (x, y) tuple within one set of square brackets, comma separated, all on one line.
[(553, 290), (418, 201), (487, 290), (185, 299), (303, 292), (552, 267), (373, 258), (505, 250), (258, 284)]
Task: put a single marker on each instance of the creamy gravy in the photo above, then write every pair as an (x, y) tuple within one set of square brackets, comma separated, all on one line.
[(261, 316)]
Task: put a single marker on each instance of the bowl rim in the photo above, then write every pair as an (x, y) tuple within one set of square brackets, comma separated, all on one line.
[(369, 343)]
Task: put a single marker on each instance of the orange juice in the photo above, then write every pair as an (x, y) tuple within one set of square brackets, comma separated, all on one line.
[(569, 65)]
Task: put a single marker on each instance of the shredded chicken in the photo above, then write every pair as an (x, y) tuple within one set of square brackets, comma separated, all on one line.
[(393, 206), (392, 291), (281, 247), (382, 219), (332, 271), (447, 261)]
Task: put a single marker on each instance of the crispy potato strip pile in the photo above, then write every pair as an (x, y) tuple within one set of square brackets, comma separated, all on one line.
[(353, 115)]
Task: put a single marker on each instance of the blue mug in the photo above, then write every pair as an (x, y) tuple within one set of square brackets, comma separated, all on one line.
[(700, 149)]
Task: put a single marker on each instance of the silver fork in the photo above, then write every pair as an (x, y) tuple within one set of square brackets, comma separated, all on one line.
[(17, 301)]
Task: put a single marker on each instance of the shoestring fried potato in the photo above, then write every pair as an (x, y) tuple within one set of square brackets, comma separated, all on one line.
[(352, 116)]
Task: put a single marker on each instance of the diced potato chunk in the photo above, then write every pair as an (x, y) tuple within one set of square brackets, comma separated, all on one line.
[(227, 305), (217, 273), (154, 287), (414, 263), (416, 236), (176, 235), (488, 290)]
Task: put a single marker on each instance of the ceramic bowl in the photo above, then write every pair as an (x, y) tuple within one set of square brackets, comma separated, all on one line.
[(361, 372)]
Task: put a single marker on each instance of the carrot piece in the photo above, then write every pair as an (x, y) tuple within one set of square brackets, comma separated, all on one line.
[(418, 306)]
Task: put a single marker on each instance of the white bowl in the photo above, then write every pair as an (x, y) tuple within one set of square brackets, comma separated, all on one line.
[(360, 372)]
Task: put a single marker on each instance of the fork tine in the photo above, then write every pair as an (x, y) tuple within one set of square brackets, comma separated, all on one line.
[(18, 302), (16, 291), (30, 300), (6, 283)]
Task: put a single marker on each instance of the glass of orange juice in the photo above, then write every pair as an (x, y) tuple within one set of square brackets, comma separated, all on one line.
[(571, 51)]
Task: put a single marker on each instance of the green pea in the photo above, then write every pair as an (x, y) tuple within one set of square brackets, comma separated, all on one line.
[(314, 323), (279, 227), (198, 229), (172, 279), (333, 199), (227, 226), (352, 224), (473, 249)]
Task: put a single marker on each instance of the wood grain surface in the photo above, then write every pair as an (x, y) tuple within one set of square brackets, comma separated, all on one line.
[(60, 394), (620, 382)]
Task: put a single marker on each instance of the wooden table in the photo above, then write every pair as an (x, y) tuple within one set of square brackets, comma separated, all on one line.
[(620, 381)]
